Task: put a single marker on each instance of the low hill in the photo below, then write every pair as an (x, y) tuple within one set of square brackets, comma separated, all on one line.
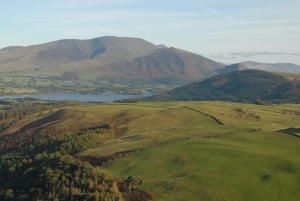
[(278, 67), (241, 86)]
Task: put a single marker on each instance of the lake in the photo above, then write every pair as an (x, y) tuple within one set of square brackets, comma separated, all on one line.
[(77, 97)]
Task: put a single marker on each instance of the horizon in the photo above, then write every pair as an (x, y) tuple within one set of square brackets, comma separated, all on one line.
[(227, 31)]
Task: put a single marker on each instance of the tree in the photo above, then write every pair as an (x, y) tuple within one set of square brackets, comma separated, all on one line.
[(8, 194)]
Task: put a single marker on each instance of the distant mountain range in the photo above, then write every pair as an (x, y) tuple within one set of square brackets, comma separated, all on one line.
[(279, 67), (239, 86), (113, 58), (116, 60)]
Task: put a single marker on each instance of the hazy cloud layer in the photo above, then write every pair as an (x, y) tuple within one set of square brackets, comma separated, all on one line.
[(268, 57)]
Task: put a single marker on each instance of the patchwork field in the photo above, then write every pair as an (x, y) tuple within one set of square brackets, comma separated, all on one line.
[(183, 151)]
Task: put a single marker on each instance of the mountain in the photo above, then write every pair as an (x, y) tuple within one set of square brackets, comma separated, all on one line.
[(240, 86), (169, 64), (103, 50), (278, 67), (116, 59)]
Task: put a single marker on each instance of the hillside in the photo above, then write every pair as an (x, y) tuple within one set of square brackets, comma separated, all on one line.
[(38, 143), (168, 65), (278, 67), (169, 150), (241, 86), (100, 63)]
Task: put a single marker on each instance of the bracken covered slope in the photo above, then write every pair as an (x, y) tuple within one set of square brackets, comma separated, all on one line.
[(239, 86)]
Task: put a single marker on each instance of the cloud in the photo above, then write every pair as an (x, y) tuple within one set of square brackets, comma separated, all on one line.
[(245, 55), (266, 57)]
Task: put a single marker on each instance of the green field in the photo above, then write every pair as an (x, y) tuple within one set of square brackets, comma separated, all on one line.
[(244, 159), (22, 83), (244, 166), (187, 151)]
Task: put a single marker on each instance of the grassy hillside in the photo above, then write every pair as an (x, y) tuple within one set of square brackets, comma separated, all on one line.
[(241, 167), (239, 86), (244, 160), (181, 150)]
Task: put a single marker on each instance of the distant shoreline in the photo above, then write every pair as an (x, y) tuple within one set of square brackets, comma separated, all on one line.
[(78, 97)]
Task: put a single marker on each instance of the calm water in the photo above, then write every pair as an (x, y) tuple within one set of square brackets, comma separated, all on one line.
[(77, 97)]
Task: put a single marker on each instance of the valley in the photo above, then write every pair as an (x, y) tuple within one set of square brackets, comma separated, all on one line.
[(122, 119), (11, 84), (139, 100)]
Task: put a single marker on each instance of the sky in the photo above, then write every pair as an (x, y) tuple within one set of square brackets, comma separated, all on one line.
[(225, 30)]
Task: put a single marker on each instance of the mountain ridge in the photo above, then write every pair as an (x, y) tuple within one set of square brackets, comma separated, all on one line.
[(168, 63)]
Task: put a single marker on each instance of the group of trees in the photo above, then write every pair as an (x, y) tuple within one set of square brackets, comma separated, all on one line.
[(86, 138), (54, 177), (12, 111), (72, 143), (18, 109)]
